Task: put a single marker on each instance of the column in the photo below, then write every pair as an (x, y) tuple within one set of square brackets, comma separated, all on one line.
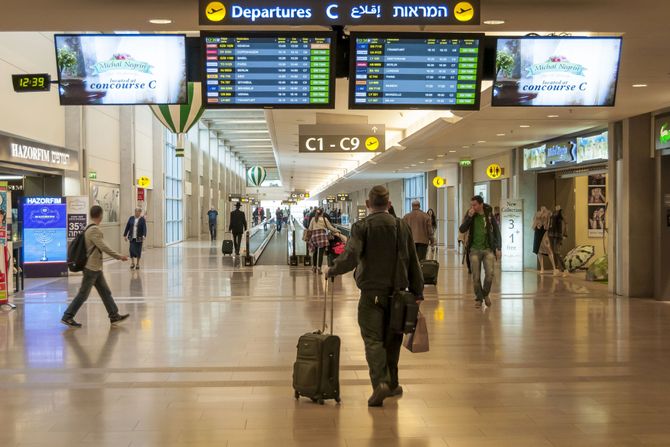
[(127, 187), (526, 189), (196, 210), (156, 221), (73, 181)]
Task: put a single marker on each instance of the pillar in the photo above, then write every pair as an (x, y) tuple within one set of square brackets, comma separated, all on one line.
[(127, 187)]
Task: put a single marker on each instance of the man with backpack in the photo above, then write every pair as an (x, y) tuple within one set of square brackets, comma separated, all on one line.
[(92, 267)]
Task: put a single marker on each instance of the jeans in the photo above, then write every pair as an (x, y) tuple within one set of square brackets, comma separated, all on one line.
[(382, 347), (279, 222), (97, 280), (317, 257), (212, 230), (421, 251), (477, 258), (237, 242)]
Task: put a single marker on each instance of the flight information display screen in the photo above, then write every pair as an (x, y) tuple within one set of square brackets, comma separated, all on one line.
[(262, 70), (422, 71)]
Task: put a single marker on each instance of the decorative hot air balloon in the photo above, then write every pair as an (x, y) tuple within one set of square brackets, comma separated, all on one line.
[(256, 175), (180, 118)]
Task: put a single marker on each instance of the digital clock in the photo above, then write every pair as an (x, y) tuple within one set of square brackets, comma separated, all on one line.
[(31, 82)]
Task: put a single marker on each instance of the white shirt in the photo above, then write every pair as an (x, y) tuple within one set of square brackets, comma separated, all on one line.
[(137, 221)]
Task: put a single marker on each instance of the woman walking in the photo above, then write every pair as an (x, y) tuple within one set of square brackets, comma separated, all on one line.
[(135, 232), (318, 228)]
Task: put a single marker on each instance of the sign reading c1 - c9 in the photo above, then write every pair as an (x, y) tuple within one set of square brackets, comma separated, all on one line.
[(347, 138), (342, 12)]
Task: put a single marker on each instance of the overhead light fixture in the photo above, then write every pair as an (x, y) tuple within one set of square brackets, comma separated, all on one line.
[(494, 22), (452, 152), (524, 126), (160, 21), (639, 85), (430, 159), (422, 162), (440, 156), (466, 147), (481, 142), (552, 116), (11, 177), (413, 165), (500, 135)]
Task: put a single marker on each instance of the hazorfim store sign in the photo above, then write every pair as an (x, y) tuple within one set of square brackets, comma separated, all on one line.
[(32, 153)]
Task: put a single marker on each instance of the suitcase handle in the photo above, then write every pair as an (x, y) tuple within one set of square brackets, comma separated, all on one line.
[(332, 304)]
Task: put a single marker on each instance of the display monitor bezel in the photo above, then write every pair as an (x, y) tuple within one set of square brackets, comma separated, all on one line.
[(183, 36), (386, 35), (616, 82), (251, 34)]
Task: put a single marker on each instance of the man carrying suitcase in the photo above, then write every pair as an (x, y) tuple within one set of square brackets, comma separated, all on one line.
[(371, 252)]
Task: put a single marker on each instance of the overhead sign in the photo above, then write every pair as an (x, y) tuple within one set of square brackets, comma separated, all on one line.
[(300, 195), (439, 182), (27, 152), (92, 175), (144, 182), (349, 138), (31, 82), (511, 228), (494, 171), (343, 197), (342, 12), (465, 163), (331, 199), (361, 212), (662, 132)]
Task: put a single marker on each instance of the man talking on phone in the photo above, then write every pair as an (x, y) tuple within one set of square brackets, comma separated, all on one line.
[(484, 244)]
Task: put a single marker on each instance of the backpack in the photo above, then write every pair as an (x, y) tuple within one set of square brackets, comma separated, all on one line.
[(77, 256)]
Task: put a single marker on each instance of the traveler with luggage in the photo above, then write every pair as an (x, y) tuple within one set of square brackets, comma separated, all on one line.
[(422, 229), (212, 214), (383, 267), (93, 277), (318, 240), (237, 225), (135, 232), (279, 219), (483, 247)]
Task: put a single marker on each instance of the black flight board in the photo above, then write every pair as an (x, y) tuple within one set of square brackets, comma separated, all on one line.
[(269, 70), (415, 71)]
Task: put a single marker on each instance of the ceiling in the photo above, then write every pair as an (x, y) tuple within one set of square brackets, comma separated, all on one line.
[(423, 135)]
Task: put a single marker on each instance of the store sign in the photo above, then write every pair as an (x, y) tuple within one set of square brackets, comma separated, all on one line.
[(439, 182), (593, 148), (343, 197), (342, 12), (144, 182), (494, 171), (44, 236), (662, 132), (562, 152), (77, 216), (18, 150), (511, 228), (362, 138)]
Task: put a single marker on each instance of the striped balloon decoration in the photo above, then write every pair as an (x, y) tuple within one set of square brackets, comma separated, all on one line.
[(181, 117), (256, 175)]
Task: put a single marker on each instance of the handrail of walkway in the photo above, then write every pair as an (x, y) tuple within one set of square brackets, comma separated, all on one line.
[(251, 258), (345, 230)]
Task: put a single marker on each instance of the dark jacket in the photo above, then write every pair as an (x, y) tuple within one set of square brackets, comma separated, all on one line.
[(238, 222), (371, 250), (212, 215), (141, 228), (492, 228)]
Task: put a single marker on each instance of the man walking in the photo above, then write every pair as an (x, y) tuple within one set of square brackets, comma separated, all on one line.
[(484, 244), (422, 229), (93, 276), (238, 225), (372, 252), (212, 214)]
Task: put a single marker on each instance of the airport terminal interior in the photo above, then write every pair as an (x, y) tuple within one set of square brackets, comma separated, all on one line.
[(222, 178)]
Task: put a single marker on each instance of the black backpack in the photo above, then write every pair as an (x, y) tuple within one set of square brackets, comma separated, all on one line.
[(77, 256)]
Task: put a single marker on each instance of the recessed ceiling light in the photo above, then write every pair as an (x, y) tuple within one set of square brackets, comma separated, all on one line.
[(413, 165), (500, 135), (552, 116), (452, 152), (440, 156), (481, 142), (430, 159), (494, 22), (524, 126), (466, 147), (422, 162), (639, 85), (160, 21)]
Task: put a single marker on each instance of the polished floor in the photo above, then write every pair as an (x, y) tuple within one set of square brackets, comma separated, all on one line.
[(206, 360)]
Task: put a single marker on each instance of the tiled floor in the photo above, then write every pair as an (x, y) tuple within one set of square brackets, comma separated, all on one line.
[(206, 360)]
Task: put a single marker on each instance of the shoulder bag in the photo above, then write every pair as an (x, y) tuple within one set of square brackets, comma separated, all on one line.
[(404, 308)]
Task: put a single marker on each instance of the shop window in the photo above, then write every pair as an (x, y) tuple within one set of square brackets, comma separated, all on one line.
[(174, 200)]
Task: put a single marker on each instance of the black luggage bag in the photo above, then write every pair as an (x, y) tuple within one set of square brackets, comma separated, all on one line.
[(227, 246), (430, 269), (316, 371)]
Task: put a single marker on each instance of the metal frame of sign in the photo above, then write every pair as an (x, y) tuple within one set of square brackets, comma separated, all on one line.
[(394, 35), (331, 86), (616, 84)]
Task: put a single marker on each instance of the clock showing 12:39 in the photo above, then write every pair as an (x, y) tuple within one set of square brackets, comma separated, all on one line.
[(31, 82)]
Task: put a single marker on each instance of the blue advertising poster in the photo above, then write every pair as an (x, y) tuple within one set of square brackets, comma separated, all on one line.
[(44, 236)]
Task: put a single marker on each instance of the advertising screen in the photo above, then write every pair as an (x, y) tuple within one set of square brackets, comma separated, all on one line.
[(44, 236), (415, 71), (593, 148), (120, 69), (269, 70), (662, 129), (557, 71)]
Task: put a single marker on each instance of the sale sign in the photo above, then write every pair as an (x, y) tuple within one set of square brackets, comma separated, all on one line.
[(77, 216), (511, 227)]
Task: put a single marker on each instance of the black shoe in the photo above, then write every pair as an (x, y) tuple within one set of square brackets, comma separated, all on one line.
[(380, 393), (487, 301), (118, 318), (70, 322), (132, 266), (137, 267), (397, 391)]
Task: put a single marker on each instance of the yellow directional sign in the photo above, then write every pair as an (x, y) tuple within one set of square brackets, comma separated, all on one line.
[(439, 182), (144, 182), (494, 171)]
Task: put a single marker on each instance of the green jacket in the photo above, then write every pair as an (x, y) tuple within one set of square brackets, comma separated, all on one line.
[(371, 250)]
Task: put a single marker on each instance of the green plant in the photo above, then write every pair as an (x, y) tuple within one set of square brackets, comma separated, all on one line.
[(504, 63), (67, 61)]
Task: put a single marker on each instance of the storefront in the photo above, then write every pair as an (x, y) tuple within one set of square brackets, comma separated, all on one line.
[(572, 176)]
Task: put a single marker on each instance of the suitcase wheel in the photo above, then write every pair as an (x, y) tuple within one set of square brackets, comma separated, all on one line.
[(296, 395), (321, 402), (338, 400)]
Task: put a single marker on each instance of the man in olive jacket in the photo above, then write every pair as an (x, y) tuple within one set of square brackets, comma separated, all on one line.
[(371, 250), (484, 242)]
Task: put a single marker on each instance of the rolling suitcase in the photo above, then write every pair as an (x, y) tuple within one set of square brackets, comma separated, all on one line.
[(316, 371), (227, 246), (430, 269)]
